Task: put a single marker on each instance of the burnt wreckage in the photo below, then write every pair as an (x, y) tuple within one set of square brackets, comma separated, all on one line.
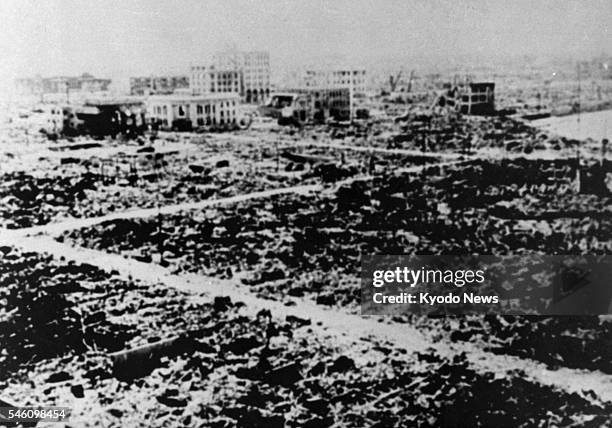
[(106, 118)]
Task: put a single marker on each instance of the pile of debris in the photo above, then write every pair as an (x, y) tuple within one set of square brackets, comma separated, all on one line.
[(296, 244), (181, 361)]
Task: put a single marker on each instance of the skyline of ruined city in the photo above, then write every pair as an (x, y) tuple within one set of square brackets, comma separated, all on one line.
[(131, 38)]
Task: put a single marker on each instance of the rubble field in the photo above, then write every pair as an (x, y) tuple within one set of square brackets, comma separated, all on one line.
[(582, 342), (458, 133), (88, 185), (441, 209), (295, 246), (432, 133), (121, 353)]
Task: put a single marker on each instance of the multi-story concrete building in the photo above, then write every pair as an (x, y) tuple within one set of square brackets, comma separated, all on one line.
[(470, 98), (332, 103), (61, 84), (213, 80), (47, 117), (29, 86), (336, 78), (478, 98), (303, 105), (89, 83), (183, 112), (157, 84), (106, 116), (254, 69)]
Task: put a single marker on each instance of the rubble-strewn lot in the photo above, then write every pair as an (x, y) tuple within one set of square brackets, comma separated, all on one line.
[(293, 246), (433, 133), (583, 342), (482, 207), (85, 184), (62, 325), (125, 353)]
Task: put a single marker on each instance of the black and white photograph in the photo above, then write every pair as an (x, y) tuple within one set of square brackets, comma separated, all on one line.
[(305, 214)]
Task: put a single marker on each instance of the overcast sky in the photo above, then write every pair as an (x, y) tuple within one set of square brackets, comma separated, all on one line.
[(123, 37)]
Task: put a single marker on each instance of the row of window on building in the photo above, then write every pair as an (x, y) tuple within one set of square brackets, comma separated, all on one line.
[(199, 111)]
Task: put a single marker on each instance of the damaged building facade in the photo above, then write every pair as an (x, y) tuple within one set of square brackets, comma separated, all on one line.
[(330, 103), (210, 79), (185, 112), (106, 117), (148, 85), (253, 69), (337, 78), (244, 73), (473, 98), (60, 84), (305, 105), (288, 108)]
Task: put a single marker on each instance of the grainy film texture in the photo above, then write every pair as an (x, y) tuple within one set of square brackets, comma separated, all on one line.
[(190, 192)]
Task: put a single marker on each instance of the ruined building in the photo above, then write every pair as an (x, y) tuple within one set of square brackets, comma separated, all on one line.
[(60, 84), (254, 72), (185, 112), (106, 117), (207, 80), (149, 85), (305, 105), (337, 78), (470, 98)]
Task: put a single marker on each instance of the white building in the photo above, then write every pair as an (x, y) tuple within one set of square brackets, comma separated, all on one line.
[(185, 111), (254, 69), (49, 117), (336, 78), (213, 80)]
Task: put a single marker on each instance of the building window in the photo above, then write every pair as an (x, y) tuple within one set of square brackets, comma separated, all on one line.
[(199, 109)]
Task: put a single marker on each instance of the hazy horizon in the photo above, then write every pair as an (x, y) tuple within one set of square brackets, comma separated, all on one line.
[(120, 38)]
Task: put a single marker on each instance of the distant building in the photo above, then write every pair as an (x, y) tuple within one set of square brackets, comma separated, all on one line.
[(213, 80), (148, 85), (304, 105), (254, 69), (337, 78), (184, 112), (288, 107), (47, 117), (108, 116), (332, 103), (114, 116), (29, 86), (61, 84), (89, 83), (55, 117), (478, 99), (470, 98)]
